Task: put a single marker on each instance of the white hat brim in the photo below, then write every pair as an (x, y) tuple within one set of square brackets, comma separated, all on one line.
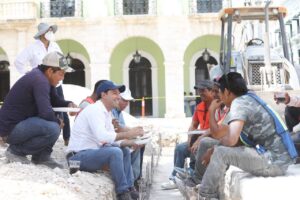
[(41, 32)]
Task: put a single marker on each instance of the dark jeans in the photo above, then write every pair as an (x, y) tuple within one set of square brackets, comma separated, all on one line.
[(64, 116), (34, 136), (292, 116)]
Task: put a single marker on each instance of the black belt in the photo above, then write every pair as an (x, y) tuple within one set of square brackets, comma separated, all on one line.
[(70, 154)]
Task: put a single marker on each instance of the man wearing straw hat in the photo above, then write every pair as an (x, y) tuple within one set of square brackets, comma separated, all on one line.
[(33, 54)]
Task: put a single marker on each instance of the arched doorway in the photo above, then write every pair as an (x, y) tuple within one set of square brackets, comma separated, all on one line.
[(78, 76), (140, 84), (203, 67), (4, 79)]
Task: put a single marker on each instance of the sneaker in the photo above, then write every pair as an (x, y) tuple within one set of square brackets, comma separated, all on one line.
[(124, 196), (12, 157), (171, 185), (50, 162), (134, 193)]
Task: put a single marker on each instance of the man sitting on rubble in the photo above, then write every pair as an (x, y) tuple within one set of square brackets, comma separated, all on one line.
[(200, 120), (95, 143), (120, 126), (251, 121)]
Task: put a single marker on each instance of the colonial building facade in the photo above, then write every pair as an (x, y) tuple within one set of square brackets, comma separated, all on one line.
[(102, 37)]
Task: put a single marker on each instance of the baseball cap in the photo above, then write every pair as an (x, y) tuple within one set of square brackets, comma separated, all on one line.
[(56, 59), (126, 95), (205, 84), (109, 85)]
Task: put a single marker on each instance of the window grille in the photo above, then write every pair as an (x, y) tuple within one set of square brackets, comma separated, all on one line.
[(135, 7), (255, 75), (209, 6), (61, 8)]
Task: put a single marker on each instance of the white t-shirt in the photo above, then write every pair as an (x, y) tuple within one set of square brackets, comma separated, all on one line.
[(92, 129), (34, 54)]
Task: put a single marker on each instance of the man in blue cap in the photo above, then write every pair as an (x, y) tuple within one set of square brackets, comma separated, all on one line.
[(95, 143)]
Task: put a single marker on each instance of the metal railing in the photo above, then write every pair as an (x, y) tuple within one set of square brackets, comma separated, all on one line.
[(61, 8), (205, 6), (135, 7), (18, 10)]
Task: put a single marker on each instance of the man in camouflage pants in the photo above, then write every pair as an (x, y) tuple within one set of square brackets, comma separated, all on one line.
[(246, 115)]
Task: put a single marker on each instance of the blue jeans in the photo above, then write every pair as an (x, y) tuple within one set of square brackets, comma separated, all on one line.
[(34, 136), (136, 163), (119, 162), (180, 154)]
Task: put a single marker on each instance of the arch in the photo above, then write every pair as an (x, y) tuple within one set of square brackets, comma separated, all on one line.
[(122, 56), (194, 51), (140, 84), (80, 59)]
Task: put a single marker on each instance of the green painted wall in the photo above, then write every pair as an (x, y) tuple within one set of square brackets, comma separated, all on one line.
[(111, 7), (68, 45), (126, 47), (211, 42), (2, 52)]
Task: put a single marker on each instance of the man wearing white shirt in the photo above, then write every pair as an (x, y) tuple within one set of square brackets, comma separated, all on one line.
[(34, 54), (95, 143)]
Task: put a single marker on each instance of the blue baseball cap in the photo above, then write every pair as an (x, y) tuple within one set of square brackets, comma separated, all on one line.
[(109, 85)]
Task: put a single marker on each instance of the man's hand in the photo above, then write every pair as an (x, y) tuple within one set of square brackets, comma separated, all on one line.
[(72, 105), (206, 157), (116, 124), (287, 98), (135, 132), (61, 123), (195, 146), (215, 104)]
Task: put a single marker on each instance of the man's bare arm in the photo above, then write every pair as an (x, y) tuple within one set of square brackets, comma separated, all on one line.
[(232, 138)]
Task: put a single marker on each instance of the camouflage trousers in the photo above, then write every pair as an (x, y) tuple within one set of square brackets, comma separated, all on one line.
[(245, 158)]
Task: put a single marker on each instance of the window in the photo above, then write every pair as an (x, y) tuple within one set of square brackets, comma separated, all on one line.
[(62, 8), (135, 7), (209, 6)]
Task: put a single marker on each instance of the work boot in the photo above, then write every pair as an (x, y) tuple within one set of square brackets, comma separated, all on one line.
[(191, 182), (124, 196), (13, 157), (49, 162), (134, 193)]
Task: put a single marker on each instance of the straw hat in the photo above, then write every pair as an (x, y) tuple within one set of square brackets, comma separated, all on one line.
[(43, 28)]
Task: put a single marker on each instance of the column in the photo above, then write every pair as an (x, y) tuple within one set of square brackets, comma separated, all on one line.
[(174, 89), (21, 44), (96, 72)]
